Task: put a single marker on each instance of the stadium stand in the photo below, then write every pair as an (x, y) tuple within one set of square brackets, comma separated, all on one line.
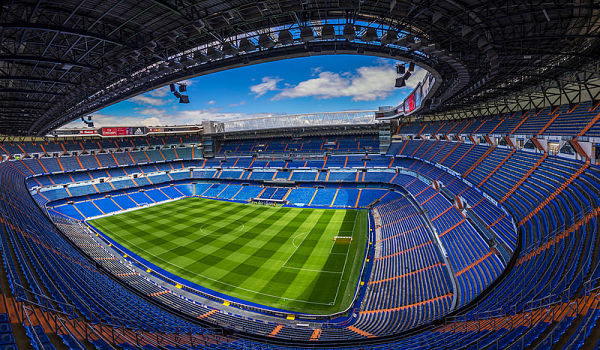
[(480, 202), (463, 216)]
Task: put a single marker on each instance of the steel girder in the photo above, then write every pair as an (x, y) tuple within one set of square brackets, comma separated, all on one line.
[(79, 53)]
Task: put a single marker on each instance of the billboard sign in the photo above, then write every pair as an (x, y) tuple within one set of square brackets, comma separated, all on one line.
[(120, 131)]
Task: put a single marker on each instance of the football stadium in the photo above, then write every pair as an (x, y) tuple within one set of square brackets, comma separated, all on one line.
[(463, 216)]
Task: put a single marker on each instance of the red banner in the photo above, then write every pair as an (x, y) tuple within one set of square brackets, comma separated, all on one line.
[(409, 103), (116, 131), (88, 132)]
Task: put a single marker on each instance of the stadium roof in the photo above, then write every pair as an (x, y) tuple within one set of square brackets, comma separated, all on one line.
[(61, 60), (301, 120)]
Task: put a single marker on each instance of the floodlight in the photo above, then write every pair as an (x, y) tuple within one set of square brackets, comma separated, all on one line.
[(285, 37), (265, 41), (328, 32)]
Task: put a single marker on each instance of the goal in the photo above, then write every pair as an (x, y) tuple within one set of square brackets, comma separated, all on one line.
[(342, 239)]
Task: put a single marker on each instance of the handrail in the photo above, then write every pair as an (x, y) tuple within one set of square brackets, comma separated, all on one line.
[(548, 299), (36, 338), (61, 322), (21, 292), (588, 210), (29, 305), (529, 306), (431, 230)]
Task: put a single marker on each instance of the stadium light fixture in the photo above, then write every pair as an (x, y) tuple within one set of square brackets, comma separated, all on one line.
[(328, 32), (349, 32), (389, 38), (213, 53), (400, 82), (369, 35), (89, 123), (285, 37), (229, 49), (187, 61), (174, 65), (307, 34), (200, 57), (265, 41), (246, 45), (400, 69)]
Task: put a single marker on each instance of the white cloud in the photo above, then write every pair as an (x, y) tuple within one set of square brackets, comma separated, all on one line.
[(211, 102), (366, 84), (187, 82), (315, 71), (152, 111), (196, 116), (416, 78), (241, 103), (159, 117), (160, 92), (148, 100), (268, 84)]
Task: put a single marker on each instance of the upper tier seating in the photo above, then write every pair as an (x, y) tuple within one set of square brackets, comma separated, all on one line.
[(566, 120), (470, 195)]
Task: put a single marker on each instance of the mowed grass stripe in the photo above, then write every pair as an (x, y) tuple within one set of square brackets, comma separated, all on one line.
[(157, 235), (316, 244), (326, 262), (215, 246), (295, 281), (221, 256), (251, 272), (269, 255), (139, 230)]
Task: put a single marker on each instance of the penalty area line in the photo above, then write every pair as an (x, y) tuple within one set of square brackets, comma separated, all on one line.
[(215, 280), (357, 218)]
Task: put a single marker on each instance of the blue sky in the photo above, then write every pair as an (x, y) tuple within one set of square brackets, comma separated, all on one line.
[(301, 85)]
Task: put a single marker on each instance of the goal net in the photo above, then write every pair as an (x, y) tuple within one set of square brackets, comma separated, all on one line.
[(342, 239)]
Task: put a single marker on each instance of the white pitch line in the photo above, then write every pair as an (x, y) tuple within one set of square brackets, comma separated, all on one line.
[(299, 268), (221, 282), (345, 261), (298, 246)]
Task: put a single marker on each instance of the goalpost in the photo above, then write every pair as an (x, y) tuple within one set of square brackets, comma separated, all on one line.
[(342, 239)]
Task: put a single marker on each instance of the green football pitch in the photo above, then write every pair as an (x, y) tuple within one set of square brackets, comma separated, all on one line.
[(277, 256)]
